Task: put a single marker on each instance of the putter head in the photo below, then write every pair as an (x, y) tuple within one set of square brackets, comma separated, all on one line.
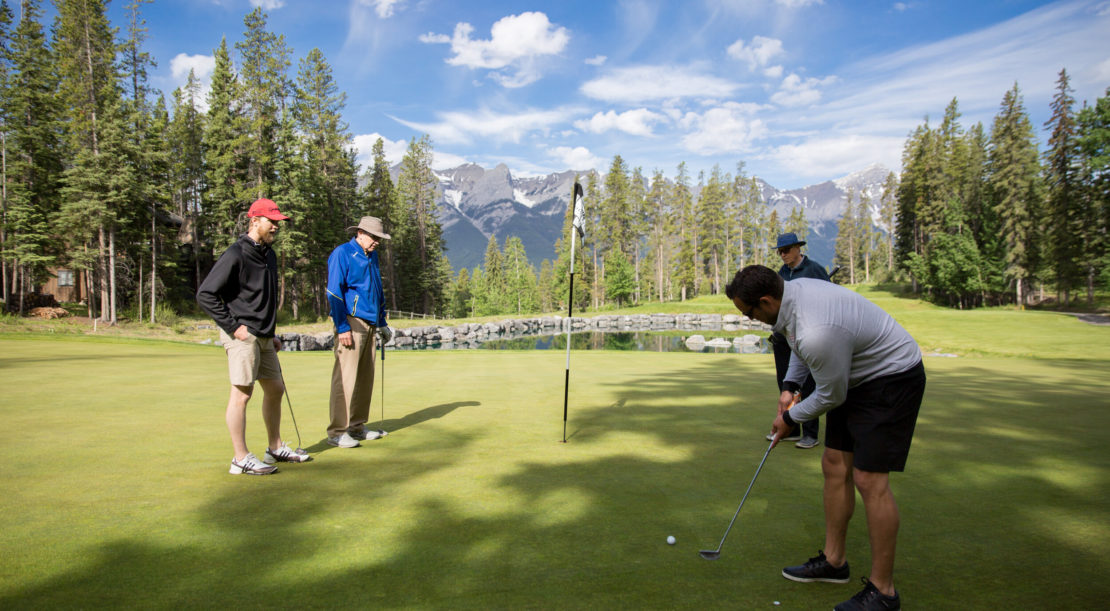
[(710, 554)]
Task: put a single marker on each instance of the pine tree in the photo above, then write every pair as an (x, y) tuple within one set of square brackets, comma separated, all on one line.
[(888, 209), (31, 116), (1064, 250), (186, 141), (225, 138), (89, 88), (1015, 187), (1093, 145), (713, 226), (423, 271), (263, 92), (520, 278), (495, 285), (682, 207), (380, 198)]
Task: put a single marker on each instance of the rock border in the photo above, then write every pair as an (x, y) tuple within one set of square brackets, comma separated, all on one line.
[(470, 334)]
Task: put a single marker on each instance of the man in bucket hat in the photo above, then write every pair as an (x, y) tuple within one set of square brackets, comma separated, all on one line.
[(357, 304), (795, 265), (241, 295)]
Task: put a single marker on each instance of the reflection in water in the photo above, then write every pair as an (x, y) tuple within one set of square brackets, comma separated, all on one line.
[(639, 340)]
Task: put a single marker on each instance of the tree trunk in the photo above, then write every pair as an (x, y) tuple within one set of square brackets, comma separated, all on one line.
[(153, 265), (112, 270), (102, 271)]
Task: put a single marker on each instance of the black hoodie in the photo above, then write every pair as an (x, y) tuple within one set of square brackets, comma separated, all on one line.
[(242, 289)]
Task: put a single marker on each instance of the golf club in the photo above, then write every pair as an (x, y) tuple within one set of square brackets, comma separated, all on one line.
[(714, 554), (381, 422), (289, 402)]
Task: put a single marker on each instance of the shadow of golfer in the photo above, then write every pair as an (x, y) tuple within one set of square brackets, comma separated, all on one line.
[(428, 413), (396, 424)]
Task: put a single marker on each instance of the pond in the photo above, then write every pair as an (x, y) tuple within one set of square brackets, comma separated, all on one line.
[(621, 340)]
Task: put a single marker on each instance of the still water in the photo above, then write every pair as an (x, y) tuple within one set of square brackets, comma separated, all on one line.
[(625, 340)]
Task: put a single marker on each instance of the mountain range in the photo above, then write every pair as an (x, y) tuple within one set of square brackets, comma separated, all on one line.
[(476, 203)]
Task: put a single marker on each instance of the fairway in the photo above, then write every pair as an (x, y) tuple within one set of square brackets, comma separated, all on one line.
[(116, 491)]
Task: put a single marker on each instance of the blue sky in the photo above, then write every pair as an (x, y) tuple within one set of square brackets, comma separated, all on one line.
[(799, 90)]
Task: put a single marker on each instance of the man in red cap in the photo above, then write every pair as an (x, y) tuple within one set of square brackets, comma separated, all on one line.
[(241, 295)]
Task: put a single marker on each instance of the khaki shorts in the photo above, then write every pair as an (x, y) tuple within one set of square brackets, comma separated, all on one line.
[(252, 359)]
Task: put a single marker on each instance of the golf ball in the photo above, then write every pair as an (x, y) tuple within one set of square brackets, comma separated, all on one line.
[(776, 603), (670, 540)]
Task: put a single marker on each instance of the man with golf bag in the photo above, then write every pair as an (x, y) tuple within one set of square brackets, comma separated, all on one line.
[(240, 294), (357, 303), (869, 383)]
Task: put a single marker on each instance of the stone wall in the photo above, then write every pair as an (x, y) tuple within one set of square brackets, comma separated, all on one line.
[(470, 334)]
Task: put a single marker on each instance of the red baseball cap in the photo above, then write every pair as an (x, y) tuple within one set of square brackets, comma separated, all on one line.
[(267, 208)]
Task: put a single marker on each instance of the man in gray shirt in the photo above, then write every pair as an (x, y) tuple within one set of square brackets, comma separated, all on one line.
[(869, 381)]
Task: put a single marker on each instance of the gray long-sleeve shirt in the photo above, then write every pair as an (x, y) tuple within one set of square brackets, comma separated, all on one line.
[(842, 339)]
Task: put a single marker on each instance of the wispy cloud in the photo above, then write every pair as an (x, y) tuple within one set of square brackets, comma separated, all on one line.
[(456, 127), (516, 43), (268, 5), (639, 84)]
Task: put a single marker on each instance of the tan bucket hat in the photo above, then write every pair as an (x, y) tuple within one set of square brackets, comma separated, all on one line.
[(371, 225)]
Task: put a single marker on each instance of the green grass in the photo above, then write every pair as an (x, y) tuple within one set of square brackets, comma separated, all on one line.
[(116, 492)]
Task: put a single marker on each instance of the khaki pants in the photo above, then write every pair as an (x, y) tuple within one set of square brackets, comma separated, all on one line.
[(352, 379), (252, 359)]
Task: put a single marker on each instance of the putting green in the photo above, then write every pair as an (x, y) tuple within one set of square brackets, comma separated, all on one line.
[(116, 491)]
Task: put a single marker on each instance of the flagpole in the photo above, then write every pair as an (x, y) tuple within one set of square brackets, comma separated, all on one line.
[(574, 204)]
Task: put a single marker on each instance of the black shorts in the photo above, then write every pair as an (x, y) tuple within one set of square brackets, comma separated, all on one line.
[(876, 421)]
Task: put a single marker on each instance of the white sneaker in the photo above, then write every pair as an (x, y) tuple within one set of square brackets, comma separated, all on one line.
[(343, 441), (284, 453), (366, 434), (792, 437), (250, 465)]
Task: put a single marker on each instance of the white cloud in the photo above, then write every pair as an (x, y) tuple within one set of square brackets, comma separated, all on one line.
[(462, 128), (758, 54), (636, 122), (836, 155), (796, 91), (268, 5), (202, 67), (576, 158), (728, 128), (394, 149), (516, 43), (774, 72), (596, 60), (446, 161), (647, 83)]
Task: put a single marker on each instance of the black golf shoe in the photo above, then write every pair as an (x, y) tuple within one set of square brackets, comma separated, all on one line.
[(817, 569), (871, 599)]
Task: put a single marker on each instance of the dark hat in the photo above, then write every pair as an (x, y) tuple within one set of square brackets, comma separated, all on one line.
[(371, 225), (789, 239), (266, 208)]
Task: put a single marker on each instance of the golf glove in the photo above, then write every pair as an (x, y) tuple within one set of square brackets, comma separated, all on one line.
[(386, 333)]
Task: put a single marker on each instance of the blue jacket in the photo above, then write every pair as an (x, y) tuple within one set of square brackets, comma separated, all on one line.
[(355, 286)]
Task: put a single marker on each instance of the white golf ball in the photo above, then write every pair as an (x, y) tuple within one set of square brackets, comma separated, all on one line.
[(776, 603), (670, 540)]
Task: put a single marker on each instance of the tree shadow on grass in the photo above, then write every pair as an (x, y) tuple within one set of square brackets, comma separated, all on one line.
[(1006, 466)]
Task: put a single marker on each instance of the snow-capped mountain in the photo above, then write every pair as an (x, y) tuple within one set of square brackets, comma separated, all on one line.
[(476, 203)]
